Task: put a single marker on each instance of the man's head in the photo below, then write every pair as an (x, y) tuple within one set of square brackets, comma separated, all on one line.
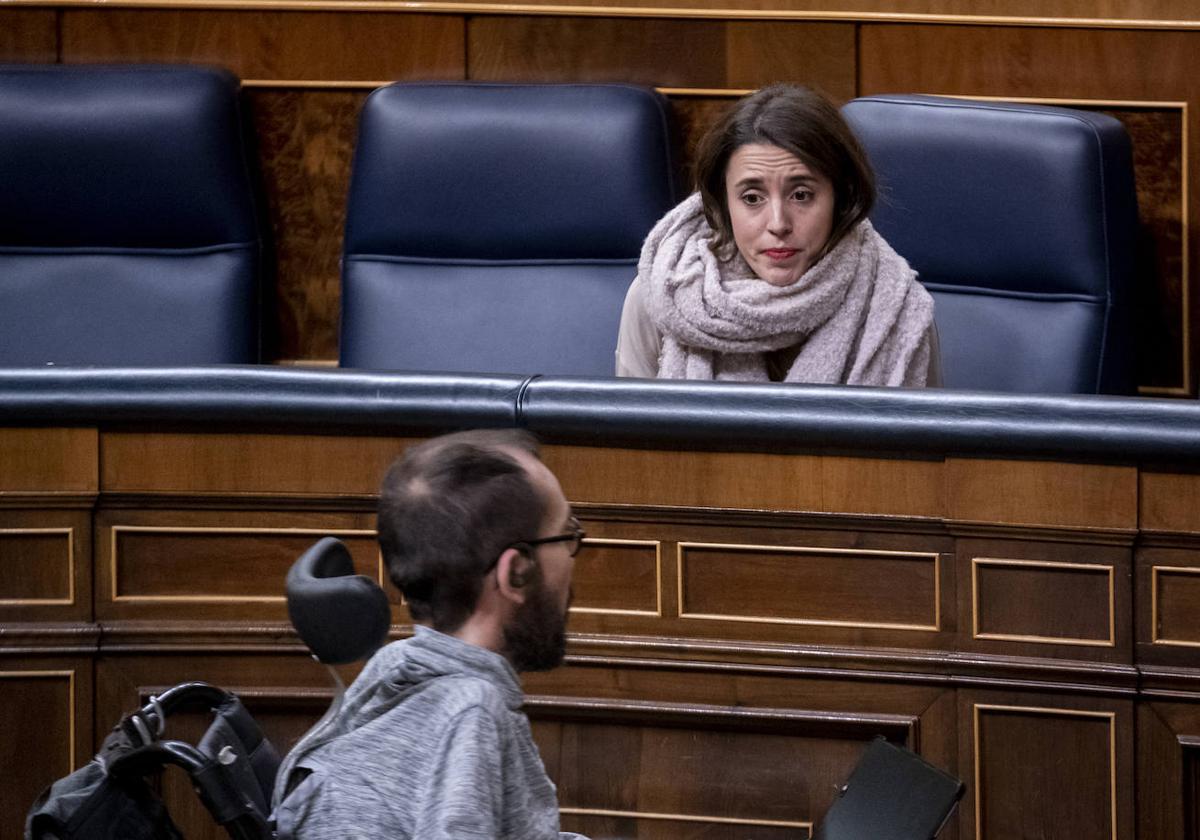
[(473, 524)]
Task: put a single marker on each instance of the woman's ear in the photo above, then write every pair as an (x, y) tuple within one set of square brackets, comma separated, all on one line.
[(514, 570)]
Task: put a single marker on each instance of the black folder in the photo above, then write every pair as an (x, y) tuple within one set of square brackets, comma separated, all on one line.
[(893, 794)]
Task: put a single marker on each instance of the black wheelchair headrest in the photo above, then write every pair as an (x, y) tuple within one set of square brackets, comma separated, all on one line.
[(341, 616)]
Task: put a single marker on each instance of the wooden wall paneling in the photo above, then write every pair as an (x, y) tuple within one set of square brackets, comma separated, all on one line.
[(29, 35), (45, 565), (1042, 493), (658, 770), (306, 139), (1169, 502), (839, 587), (270, 45), (1143, 78), (658, 754), (48, 461), (200, 566), (749, 481), (661, 52), (1168, 609), (1168, 743), (46, 706), (198, 464), (1043, 765), (1066, 600)]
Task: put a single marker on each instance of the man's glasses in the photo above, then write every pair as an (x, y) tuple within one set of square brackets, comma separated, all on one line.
[(574, 538)]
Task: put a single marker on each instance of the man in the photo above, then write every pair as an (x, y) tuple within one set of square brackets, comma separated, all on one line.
[(430, 741)]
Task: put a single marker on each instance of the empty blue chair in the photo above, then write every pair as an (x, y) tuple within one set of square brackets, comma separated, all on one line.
[(1021, 220), (495, 228), (129, 232)]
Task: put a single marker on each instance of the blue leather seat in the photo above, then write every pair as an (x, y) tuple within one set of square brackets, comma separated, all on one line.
[(495, 228), (129, 232), (1021, 220)]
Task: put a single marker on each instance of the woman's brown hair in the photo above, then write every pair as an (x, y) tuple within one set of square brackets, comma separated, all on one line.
[(797, 120)]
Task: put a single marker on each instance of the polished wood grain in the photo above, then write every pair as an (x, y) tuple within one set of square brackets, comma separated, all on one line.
[(28, 35), (215, 565), (749, 480), (797, 585), (1169, 501), (46, 706), (663, 53), (306, 140), (1045, 599), (48, 461), (37, 565), (232, 463), (612, 576), (1084, 787), (1042, 493), (1168, 744), (273, 45)]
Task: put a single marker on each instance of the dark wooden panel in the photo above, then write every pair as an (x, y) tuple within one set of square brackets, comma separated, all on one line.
[(28, 35), (1169, 501), (748, 480), (614, 576), (663, 52), (231, 463), (1168, 744), (37, 565), (1044, 601), (306, 139), (1042, 493), (1046, 766), (219, 564), (47, 725), (794, 585), (48, 460), (1167, 617), (273, 45)]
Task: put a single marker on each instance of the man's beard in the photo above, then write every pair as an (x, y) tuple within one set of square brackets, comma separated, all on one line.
[(536, 638)]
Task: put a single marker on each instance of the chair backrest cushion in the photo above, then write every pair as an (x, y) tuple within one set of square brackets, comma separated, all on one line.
[(129, 229), (497, 227), (1021, 220)]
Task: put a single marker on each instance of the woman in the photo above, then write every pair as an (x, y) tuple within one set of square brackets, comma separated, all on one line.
[(771, 270)]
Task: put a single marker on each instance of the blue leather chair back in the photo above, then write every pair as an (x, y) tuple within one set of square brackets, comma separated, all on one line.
[(128, 229), (496, 228), (1021, 220)]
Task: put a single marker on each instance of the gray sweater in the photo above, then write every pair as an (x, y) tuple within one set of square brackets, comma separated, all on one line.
[(429, 743)]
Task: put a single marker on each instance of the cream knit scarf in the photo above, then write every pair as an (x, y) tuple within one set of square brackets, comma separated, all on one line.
[(859, 315)]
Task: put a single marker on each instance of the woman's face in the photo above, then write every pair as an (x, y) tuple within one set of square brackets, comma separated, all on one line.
[(782, 211)]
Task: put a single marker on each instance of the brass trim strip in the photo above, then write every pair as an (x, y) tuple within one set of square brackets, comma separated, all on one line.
[(214, 599), (657, 612), (1185, 308), (1043, 710), (352, 84), (1154, 637), (70, 599), (815, 622), (1111, 641), (650, 815), (71, 725), (477, 8), (322, 84)]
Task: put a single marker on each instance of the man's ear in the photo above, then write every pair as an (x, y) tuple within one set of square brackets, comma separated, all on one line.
[(514, 570)]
